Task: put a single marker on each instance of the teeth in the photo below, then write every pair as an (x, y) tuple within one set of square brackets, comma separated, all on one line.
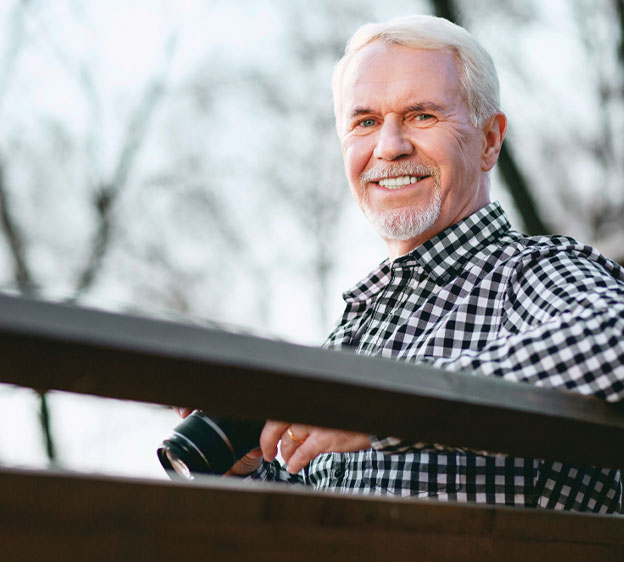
[(395, 183)]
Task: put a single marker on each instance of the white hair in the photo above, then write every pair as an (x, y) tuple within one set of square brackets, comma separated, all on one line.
[(478, 79)]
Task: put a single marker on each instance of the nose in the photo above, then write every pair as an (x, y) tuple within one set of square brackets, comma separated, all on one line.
[(392, 142)]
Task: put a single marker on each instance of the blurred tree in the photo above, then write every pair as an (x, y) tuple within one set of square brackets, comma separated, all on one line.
[(507, 165), (305, 177), (599, 210), (105, 192), (11, 228), (209, 183), (580, 160), (23, 228), (16, 36)]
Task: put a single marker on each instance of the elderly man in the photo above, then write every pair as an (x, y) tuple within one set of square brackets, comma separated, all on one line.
[(417, 112)]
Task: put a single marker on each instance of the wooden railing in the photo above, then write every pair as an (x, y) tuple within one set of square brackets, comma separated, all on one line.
[(61, 516)]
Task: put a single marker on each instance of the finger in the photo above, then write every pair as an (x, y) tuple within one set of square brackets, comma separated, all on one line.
[(183, 412), (294, 436), (270, 436), (305, 453), (326, 441), (247, 464)]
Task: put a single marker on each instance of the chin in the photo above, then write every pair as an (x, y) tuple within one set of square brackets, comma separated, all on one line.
[(405, 223)]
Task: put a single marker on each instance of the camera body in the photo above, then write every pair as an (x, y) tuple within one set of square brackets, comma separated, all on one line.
[(203, 444)]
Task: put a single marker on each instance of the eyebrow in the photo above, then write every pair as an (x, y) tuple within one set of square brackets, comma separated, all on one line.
[(360, 111), (422, 106), (426, 106)]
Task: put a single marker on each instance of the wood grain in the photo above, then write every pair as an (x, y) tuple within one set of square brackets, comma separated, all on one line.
[(52, 346), (46, 516)]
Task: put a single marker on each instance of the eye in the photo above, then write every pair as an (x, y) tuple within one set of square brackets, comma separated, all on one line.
[(422, 120), (367, 123)]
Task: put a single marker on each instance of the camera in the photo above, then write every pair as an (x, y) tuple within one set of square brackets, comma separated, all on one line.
[(207, 445)]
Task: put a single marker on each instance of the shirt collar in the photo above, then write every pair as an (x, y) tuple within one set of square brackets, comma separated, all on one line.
[(444, 255)]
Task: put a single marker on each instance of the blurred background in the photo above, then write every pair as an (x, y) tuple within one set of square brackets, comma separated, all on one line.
[(178, 159)]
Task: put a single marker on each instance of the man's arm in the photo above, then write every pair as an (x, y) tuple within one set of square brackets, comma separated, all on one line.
[(572, 340), (299, 444)]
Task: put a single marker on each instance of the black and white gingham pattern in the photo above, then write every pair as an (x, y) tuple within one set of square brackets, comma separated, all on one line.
[(483, 298)]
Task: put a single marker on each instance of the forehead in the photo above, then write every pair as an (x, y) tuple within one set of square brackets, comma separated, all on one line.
[(381, 74)]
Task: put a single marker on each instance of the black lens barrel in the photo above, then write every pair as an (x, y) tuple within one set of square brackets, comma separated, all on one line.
[(208, 444)]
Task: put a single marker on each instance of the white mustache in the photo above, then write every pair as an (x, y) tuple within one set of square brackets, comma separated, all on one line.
[(418, 170)]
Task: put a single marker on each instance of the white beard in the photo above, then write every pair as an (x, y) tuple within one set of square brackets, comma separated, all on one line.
[(403, 224)]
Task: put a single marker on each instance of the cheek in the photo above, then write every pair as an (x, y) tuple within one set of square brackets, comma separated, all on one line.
[(356, 155), (453, 156), (353, 168), (469, 149)]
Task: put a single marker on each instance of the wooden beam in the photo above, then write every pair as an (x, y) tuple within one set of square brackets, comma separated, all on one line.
[(45, 516), (52, 346)]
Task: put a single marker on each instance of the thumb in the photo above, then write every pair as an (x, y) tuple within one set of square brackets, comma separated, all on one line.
[(250, 462)]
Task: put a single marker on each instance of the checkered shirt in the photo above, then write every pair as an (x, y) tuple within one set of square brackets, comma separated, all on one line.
[(486, 299)]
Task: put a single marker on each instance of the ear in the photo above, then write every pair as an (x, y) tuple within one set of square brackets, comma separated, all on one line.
[(494, 131)]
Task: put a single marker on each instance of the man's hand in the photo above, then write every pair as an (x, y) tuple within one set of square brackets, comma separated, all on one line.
[(302, 443)]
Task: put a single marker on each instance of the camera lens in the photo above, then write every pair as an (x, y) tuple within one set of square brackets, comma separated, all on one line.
[(207, 445), (178, 466)]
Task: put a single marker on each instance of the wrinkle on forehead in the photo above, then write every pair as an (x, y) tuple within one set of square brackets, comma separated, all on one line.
[(368, 67)]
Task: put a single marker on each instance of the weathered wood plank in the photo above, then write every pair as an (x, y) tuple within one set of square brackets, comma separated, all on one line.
[(45, 516), (52, 346)]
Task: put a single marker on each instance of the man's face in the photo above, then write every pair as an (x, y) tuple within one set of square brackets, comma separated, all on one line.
[(413, 160)]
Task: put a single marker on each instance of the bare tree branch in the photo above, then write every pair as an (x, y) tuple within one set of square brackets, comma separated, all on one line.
[(619, 10), (15, 240), (8, 222), (520, 193), (446, 9), (516, 183), (11, 229), (46, 428), (108, 193), (16, 37)]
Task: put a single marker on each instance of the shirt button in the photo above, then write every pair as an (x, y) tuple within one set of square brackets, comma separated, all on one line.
[(339, 473)]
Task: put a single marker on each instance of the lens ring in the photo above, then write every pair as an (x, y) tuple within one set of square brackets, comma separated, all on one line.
[(220, 433), (179, 466), (192, 445)]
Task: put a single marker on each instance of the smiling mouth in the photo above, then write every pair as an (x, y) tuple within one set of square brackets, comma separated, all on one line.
[(399, 182)]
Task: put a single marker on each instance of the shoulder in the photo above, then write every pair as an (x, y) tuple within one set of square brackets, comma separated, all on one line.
[(559, 260), (548, 275)]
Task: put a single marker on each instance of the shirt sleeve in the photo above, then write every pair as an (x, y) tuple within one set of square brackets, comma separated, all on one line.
[(565, 329)]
